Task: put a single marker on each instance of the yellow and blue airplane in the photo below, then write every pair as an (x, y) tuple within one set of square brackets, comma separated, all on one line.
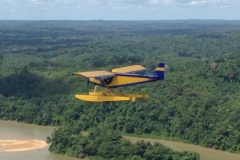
[(118, 77)]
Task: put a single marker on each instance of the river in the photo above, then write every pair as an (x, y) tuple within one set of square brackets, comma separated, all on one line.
[(21, 131)]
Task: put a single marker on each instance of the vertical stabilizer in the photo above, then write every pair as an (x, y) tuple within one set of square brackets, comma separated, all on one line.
[(159, 71)]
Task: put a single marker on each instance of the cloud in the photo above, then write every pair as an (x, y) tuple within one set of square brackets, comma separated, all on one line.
[(93, 1), (117, 9), (197, 2), (153, 1), (33, 0), (123, 3), (161, 1)]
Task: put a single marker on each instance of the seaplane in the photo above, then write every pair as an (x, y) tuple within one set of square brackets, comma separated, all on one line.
[(118, 77)]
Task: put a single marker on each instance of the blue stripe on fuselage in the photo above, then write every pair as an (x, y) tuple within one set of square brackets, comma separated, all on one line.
[(137, 75), (151, 76), (124, 84)]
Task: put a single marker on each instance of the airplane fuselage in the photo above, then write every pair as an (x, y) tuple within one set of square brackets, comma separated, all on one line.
[(120, 80)]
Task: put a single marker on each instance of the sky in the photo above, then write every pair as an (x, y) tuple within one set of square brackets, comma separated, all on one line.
[(119, 9)]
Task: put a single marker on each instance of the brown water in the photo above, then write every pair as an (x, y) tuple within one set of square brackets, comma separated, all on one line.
[(20, 131), (205, 153)]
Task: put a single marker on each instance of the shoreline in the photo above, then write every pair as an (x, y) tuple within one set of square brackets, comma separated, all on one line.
[(21, 145)]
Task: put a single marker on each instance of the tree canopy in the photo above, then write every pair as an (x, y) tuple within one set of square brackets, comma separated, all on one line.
[(198, 101), (102, 143)]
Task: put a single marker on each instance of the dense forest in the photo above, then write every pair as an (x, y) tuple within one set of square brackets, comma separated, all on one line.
[(198, 102), (103, 143)]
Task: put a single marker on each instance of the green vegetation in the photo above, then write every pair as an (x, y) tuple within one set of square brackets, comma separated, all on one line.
[(104, 144), (198, 102)]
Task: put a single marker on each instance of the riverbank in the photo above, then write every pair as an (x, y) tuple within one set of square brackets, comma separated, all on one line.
[(23, 131), (21, 145), (205, 153), (12, 130)]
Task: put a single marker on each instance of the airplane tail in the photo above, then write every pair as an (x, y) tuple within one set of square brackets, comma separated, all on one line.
[(159, 71)]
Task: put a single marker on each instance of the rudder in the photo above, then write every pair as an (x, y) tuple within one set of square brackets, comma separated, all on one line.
[(160, 70)]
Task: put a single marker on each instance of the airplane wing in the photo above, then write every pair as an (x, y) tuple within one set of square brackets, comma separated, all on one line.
[(128, 69), (95, 74)]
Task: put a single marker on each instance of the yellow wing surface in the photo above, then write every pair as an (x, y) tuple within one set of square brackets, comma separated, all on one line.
[(94, 74), (128, 69)]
